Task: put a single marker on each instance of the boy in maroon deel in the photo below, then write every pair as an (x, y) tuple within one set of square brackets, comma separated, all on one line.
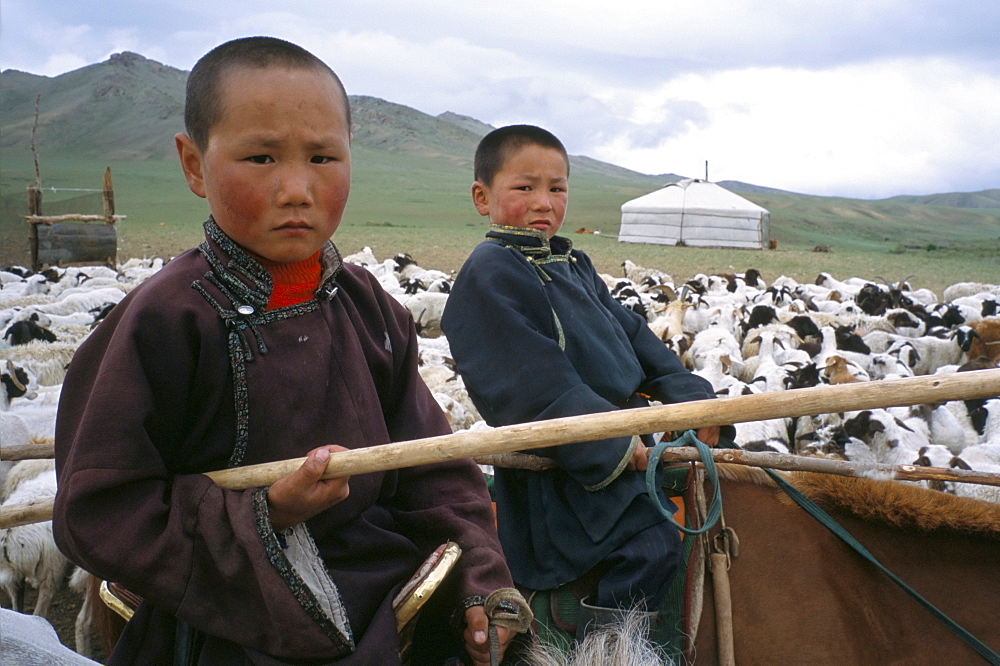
[(262, 345)]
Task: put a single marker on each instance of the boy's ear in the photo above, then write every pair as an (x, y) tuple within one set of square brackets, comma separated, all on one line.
[(480, 198), (191, 163)]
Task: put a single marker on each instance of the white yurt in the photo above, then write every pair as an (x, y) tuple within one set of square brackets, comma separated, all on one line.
[(697, 213)]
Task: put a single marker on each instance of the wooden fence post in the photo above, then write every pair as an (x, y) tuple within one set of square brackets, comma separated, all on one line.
[(108, 197), (34, 210)]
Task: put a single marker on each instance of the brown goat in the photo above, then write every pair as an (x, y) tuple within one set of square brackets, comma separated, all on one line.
[(986, 342), (838, 372)]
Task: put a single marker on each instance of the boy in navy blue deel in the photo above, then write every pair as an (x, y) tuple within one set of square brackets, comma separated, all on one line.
[(536, 335)]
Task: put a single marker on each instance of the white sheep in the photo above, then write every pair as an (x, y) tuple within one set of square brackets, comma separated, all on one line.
[(890, 440), (887, 366), (81, 582), (135, 271), (991, 431), (960, 289), (946, 430), (767, 435), (712, 339), (763, 368), (426, 308), (39, 412), (715, 366), (636, 273), (36, 284), (408, 269), (24, 470), (46, 361), (28, 553), (983, 457), (364, 257), (51, 321), (82, 299), (458, 417), (930, 352)]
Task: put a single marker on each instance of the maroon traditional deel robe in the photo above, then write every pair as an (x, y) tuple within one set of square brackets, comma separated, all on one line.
[(190, 374)]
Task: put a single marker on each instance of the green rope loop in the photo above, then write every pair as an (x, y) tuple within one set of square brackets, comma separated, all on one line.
[(714, 508)]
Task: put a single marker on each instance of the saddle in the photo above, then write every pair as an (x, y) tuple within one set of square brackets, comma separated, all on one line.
[(557, 611)]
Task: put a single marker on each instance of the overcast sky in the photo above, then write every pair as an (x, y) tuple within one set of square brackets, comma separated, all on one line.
[(854, 98)]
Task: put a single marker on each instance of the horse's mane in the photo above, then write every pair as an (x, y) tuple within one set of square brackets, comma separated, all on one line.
[(900, 504)]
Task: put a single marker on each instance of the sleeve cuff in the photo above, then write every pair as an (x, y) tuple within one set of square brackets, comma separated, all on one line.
[(622, 465), (295, 557)]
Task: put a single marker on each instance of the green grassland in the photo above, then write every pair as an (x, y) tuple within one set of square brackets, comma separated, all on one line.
[(406, 202)]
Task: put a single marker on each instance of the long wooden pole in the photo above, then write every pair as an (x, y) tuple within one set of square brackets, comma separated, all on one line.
[(72, 217), (35, 511), (41, 510), (784, 461), (681, 416), (29, 451)]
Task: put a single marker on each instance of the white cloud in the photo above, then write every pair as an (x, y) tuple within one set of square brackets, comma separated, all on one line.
[(865, 130), (854, 98)]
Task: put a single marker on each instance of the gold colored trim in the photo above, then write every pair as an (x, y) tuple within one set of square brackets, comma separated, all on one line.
[(114, 603), (407, 608)]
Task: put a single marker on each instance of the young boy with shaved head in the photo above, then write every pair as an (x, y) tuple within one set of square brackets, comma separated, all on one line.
[(262, 345), (536, 335)]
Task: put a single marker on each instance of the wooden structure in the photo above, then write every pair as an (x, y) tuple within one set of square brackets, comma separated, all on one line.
[(60, 240)]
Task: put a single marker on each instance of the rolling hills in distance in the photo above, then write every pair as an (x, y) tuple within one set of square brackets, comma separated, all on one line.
[(412, 173)]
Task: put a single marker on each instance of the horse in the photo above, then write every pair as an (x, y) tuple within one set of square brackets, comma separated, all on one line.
[(800, 595)]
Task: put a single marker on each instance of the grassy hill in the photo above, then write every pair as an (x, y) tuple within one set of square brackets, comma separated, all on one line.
[(410, 191)]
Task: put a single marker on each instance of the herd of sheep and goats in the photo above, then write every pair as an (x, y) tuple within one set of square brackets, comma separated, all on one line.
[(738, 331)]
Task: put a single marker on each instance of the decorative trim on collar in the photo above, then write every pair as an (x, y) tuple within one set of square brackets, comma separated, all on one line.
[(244, 278), (247, 285), (532, 243), (535, 245)]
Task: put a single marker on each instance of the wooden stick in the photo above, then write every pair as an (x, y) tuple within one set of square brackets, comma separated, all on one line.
[(681, 416), (793, 463), (32, 450), (723, 609), (108, 197), (72, 217), (784, 461), (36, 511), (20, 514)]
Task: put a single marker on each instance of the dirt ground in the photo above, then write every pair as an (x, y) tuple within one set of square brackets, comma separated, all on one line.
[(62, 616)]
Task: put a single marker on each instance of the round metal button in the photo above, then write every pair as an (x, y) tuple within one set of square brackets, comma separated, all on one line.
[(245, 309)]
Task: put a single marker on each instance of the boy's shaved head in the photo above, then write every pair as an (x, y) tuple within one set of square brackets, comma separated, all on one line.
[(497, 146), (203, 101)]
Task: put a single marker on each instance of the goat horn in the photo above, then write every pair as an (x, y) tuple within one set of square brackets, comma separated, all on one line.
[(666, 289), (13, 376), (905, 279), (887, 283)]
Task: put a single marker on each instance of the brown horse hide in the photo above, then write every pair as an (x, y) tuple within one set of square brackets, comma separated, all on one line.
[(800, 595)]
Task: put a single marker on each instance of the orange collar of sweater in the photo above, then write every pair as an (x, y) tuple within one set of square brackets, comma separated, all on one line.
[(293, 283)]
